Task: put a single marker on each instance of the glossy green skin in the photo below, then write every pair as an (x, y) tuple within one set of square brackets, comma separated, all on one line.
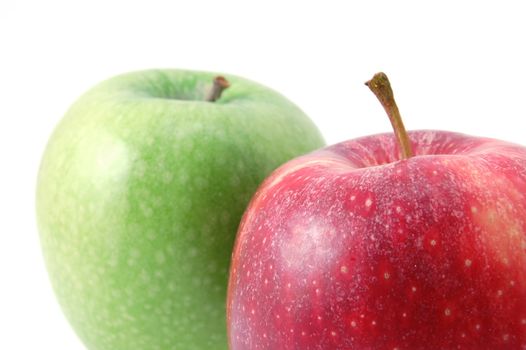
[(140, 192)]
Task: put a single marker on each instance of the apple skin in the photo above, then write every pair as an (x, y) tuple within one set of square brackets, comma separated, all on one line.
[(140, 193), (351, 248)]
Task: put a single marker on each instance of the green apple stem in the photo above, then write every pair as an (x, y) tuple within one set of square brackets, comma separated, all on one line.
[(220, 85), (381, 87)]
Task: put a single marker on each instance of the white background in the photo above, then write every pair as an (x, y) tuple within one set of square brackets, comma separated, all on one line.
[(454, 65)]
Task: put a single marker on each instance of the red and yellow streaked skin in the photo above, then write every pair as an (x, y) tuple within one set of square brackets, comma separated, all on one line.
[(351, 248)]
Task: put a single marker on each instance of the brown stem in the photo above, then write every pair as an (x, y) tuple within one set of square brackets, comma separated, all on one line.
[(220, 84), (381, 87)]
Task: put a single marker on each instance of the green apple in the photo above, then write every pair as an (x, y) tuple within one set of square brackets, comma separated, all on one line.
[(140, 192)]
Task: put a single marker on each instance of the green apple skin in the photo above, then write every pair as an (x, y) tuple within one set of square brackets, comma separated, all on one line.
[(139, 195)]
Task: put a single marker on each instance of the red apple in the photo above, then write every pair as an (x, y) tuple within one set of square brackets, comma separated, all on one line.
[(357, 247)]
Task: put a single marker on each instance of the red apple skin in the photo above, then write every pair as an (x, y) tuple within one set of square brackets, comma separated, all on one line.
[(351, 248)]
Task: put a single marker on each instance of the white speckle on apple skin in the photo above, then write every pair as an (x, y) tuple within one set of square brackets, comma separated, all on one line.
[(146, 210), (160, 257)]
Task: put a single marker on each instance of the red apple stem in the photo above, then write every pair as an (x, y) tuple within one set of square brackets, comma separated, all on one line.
[(381, 87), (220, 84)]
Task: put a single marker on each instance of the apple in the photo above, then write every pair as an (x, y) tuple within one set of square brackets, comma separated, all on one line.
[(140, 193), (408, 241)]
